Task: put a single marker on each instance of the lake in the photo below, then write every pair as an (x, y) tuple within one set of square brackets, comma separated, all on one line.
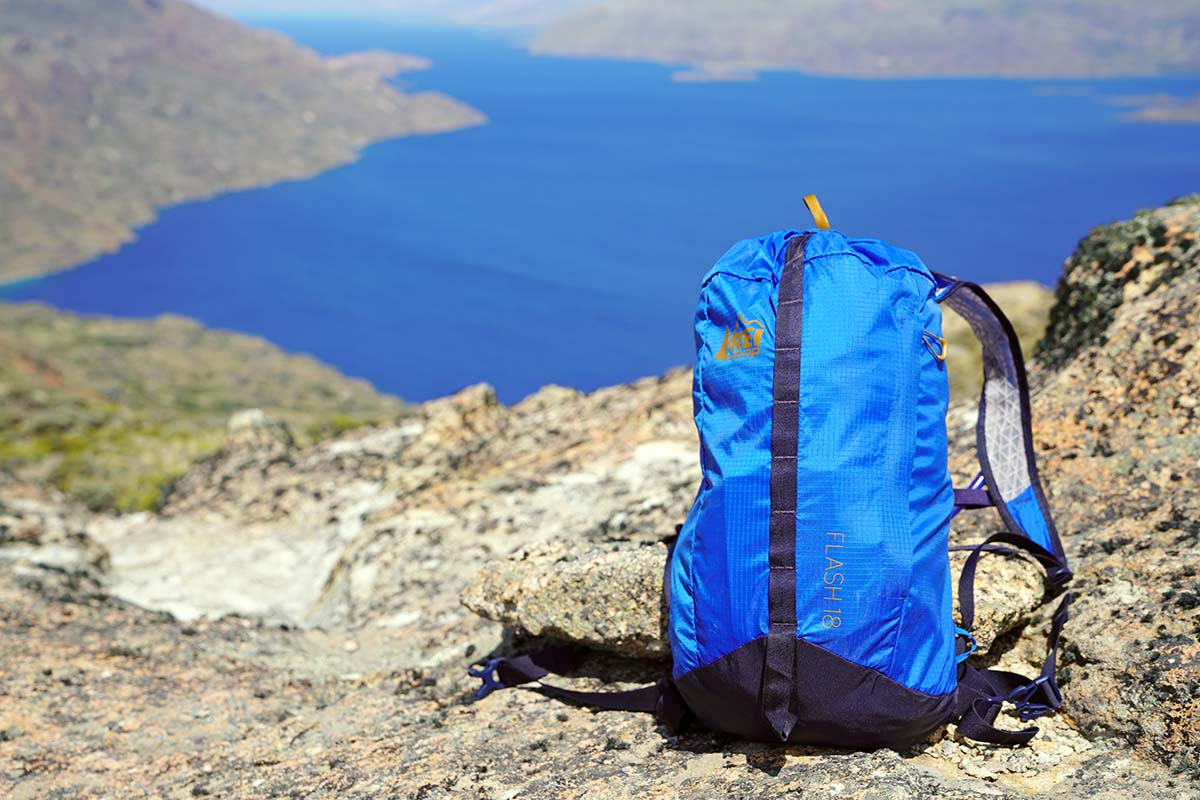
[(565, 241)]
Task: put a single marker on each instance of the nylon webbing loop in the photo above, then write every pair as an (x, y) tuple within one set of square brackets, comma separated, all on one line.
[(818, 213), (977, 483), (779, 663), (1056, 571), (972, 498)]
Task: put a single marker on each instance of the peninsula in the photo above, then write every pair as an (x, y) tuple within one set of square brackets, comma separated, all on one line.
[(113, 109)]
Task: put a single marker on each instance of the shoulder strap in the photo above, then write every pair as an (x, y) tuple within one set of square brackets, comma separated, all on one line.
[(1004, 435), (527, 671), (1009, 478)]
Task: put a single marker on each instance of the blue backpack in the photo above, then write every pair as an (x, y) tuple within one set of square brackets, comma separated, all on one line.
[(809, 588)]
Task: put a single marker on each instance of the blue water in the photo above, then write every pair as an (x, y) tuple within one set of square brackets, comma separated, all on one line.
[(564, 242)]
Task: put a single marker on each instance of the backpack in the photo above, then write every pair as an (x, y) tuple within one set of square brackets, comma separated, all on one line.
[(809, 588)]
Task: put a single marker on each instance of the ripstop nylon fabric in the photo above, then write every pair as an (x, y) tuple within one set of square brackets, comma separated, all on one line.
[(873, 491), (809, 588)]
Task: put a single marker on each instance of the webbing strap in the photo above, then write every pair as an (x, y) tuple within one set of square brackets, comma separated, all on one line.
[(527, 671), (972, 498), (981, 693), (779, 664), (1004, 434), (818, 213), (1058, 575), (963, 497)]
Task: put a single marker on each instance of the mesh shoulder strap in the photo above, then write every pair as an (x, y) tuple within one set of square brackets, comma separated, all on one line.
[(1004, 439), (1004, 435)]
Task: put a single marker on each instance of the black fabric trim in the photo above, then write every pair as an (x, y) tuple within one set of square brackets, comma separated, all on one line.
[(1018, 360), (838, 703), (779, 664)]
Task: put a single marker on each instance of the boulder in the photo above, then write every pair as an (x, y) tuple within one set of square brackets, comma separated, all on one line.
[(609, 597), (38, 526), (612, 597)]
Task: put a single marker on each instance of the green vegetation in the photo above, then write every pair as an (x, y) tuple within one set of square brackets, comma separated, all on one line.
[(111, 109), (868, 38), (111, 411)]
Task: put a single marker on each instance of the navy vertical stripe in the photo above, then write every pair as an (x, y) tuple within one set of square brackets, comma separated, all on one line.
[(779, 667)]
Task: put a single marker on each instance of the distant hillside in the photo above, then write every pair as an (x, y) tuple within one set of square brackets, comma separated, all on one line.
[(481, 13), (110, 109), (884, 38), (111, 410), (1164, 108)]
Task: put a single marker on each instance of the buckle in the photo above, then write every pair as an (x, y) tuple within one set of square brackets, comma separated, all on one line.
[(1022, 698), (487, 674)]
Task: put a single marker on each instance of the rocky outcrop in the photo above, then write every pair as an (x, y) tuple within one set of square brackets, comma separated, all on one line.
[(611, 598), (378, 530), (1119, 445), (38, 527), (316, 644)]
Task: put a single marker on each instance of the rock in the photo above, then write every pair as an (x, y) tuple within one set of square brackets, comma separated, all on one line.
[(366, 528), (1118, 444), (38, 526), (253, 428), (611, 598), (1115, 436), (1119, 270)]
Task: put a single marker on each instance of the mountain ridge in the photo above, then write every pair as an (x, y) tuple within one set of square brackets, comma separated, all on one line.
[(110, 111), (880, 38)]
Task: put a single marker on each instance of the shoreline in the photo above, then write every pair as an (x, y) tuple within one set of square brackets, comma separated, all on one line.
[(132, 230)]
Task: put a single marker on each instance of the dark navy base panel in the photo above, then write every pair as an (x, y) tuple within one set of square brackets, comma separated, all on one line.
[(837, 701)]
